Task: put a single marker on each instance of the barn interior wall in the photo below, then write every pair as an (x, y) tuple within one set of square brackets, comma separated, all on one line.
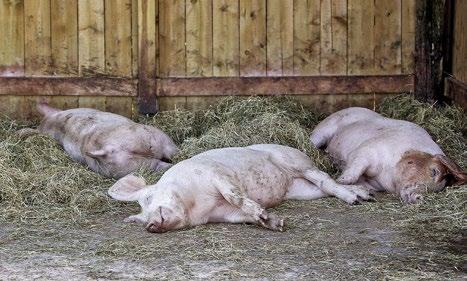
[(204, 38)]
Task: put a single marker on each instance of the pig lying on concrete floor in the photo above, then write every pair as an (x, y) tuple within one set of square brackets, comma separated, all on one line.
[(232, 185), (386, 154), (109, 144)]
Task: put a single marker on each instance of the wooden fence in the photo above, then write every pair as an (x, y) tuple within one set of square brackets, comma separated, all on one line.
[(456, 83), (109, 53)]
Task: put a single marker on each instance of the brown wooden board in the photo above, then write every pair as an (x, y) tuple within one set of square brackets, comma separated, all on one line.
[(284, 85), (70, 86), (456, 91)]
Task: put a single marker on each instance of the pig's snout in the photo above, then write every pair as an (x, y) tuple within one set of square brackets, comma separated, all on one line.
[(155, 228)]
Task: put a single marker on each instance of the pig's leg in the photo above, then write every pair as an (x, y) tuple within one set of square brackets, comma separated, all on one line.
[(353, 171), (160, 165), (301, 189), (249, 207), (350, 195)]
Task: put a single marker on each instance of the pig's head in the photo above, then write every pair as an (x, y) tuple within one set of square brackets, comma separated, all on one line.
[(161, 209), (419, 172)]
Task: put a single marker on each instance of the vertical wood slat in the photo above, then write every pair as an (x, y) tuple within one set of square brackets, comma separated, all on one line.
[(134, 38), (252, 37), (387, 37), (408, 36), (91, 37), (12, 38), (279, 38), (37, 37), (459, 54), (333, 37), (361, 37), (307, 37), (199, 38), (172, 38), (64, 44), (118, 60), (147, 60), (226, 38)]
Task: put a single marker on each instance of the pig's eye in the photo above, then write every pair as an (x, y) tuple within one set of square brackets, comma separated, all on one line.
[(434, 172)]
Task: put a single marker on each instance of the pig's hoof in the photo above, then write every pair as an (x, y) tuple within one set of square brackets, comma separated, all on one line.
[(274, 223)]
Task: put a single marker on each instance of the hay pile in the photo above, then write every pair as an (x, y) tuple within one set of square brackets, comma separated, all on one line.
[(38, 180)]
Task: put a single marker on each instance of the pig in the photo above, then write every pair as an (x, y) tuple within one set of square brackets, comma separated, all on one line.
[(232, 185), (386, 154), (109, 144)]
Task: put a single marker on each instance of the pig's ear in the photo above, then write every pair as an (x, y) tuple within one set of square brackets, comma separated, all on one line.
[(96, 153), (458, 176), (128, 188)]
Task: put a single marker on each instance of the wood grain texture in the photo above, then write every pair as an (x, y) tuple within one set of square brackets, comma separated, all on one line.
[(252, 37), (408, 36), (147, 61), (199, 38), (91, 37), (120, 105), (306, 37), (388, 37), (12, 38), (37, 53), (361, 42), (118, 60), (68, 86), (226, 54), (64, 17), (333, 37), (310, 85), (279, 38), (92, 102), (172, 38), (459, 59)]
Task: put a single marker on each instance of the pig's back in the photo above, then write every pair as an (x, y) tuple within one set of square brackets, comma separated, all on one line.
[(250, 170)]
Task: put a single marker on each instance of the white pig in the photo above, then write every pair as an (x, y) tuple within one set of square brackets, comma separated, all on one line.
[(233, 185), (386, 154), (109, 144)]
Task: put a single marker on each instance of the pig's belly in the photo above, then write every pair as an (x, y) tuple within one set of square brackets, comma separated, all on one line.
[(267, 185), (73, 149)]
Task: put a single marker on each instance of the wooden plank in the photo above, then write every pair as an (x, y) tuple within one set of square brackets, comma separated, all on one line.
[(284, 85), (37, 53), (252, 37), (171, 103), (279, 38), (361, 43), (12, 38), (92, 102), (306, 37), (64, 37), (408, 36), (226, 42), (199, 38), (68, 86), (11, 106), (118, 61), (120, 105), (456, 91), (333, 37), (172, 38), (459, 59), (147, 45), (134, 37), (388, 36), (91, 37), (429, 50)]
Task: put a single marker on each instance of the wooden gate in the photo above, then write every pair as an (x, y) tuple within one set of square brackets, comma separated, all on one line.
[(166, 53)]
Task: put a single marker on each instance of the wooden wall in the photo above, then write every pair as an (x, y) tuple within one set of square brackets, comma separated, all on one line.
[(456, 86), (285, 37), (146, 40)]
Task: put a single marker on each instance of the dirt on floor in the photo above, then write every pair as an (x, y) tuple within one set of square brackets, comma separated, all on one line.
[(324, 240)]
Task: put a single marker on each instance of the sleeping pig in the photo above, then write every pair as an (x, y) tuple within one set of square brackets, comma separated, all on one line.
[(109, 144), (386, 154), (233, 185)]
